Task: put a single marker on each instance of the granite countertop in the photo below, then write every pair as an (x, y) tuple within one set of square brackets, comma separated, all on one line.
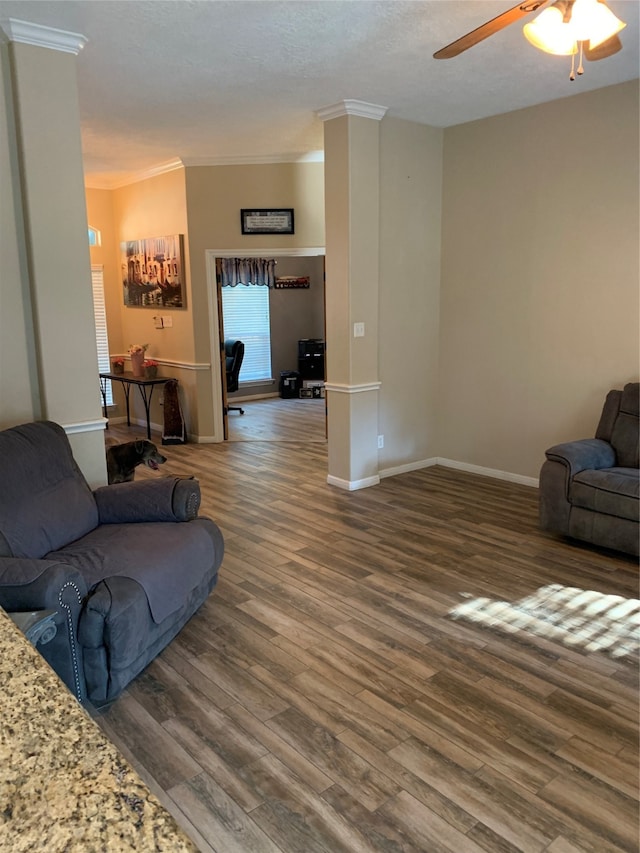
[(63, 785)]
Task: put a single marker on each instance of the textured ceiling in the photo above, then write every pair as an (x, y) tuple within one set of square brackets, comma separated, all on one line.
[(214, 81)]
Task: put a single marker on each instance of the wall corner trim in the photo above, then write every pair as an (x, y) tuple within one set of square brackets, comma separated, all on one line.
[(339, 388), (38, 35), (351, 107), (352, 485), (85, 426)]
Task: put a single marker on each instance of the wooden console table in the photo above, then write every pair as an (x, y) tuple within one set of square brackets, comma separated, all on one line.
[(145, 386)]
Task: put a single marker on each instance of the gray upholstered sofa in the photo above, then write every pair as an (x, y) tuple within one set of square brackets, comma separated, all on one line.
[(589, 489), (123, 567)]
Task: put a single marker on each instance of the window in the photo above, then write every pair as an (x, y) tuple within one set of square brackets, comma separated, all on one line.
[(95, 238), (245, 311), (100, 316)]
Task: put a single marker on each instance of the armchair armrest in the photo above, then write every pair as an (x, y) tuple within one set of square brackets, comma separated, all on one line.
[(166, 499), (585, 454), (27, 584)]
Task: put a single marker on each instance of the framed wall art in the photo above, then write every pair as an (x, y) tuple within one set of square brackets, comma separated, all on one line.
[(267, 220), (153, 272)]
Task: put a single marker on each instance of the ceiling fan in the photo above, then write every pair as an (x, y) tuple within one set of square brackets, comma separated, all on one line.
[(563, 28)]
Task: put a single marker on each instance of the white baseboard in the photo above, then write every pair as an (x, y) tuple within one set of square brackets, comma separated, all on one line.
[(410, 466), (352, 485), (460, 466), (489, 472)]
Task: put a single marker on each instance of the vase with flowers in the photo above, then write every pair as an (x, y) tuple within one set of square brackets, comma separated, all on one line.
[(150, 368), (136, 354), (117, 365)]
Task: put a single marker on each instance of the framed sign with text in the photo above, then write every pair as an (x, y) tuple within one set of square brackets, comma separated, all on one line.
[(267, 221)]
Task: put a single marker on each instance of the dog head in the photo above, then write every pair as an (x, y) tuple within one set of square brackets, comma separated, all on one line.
[(149, 454), (123, 459)]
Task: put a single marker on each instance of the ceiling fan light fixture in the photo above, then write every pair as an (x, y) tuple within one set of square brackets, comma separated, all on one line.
[(550, 33), (594, 22), (559, 28)]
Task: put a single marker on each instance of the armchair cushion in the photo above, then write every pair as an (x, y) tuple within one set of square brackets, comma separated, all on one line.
[(614, 491), (165, 558), (625, 434), (51, 503)]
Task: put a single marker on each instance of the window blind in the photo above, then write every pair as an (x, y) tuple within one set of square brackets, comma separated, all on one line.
[(100, 316), (245, 311)]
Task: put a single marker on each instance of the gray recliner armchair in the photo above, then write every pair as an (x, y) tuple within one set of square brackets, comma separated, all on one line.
[(589, 489), (123, 567)]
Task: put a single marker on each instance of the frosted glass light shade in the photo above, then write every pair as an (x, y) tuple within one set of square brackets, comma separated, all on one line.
[(548, 32), (591, 21), (594, 22)]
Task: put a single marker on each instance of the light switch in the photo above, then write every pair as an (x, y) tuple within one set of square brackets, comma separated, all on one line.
[(157, 322), (358, 330), (167, 322)]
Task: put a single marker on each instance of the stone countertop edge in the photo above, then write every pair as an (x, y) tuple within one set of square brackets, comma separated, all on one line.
[(63, 785)]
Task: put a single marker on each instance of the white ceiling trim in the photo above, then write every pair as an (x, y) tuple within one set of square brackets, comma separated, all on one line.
[(351, 107), (251, 160), (94, 182), (41, 36)]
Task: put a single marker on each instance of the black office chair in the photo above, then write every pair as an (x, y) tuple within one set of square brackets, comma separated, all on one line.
[(234, 353)]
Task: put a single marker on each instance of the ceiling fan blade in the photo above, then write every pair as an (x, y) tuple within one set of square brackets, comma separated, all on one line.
[(489, 29), (602, 51)]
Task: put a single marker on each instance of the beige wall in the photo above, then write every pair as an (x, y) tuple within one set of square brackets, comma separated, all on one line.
[(539, 312), (19, 393), (149, 208), (100, 215), (215, 196), (410, 205), (47, 292)]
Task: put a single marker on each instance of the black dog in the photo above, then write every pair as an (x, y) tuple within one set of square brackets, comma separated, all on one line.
[(122, 459)]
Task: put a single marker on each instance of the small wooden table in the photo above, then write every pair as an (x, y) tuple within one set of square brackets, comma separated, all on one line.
[(145, 386)]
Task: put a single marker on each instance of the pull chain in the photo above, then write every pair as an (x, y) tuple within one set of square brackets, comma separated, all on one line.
[(580, 67)]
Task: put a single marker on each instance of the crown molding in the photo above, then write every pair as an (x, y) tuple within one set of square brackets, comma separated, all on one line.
[(98, 182), (252, 160), (351, 108), (37, 35)]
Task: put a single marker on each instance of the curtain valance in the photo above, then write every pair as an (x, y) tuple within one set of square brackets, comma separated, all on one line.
[(260, 271)]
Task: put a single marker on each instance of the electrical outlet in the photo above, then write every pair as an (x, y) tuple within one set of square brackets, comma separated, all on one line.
[(380, 442), (358, 330)]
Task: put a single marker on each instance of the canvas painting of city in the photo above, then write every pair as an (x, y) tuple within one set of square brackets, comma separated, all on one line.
[(153, 272)]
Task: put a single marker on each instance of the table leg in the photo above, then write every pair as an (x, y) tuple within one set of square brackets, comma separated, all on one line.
[(127, 388), (103, 391), (147, 405)]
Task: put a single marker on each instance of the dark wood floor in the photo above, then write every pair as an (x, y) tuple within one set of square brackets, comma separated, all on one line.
[(322, 700)]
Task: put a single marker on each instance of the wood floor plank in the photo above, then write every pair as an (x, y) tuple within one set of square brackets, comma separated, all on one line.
[(323, 700), (219, 819), (367, 785)]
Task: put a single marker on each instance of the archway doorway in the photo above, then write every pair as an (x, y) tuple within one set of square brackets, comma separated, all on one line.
[(295, 314)]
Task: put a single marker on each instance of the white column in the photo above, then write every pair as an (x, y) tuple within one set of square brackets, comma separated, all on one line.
[(352, 177), (42, 66)]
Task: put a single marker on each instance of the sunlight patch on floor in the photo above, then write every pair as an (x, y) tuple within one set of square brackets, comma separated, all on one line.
[(585, 619)]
